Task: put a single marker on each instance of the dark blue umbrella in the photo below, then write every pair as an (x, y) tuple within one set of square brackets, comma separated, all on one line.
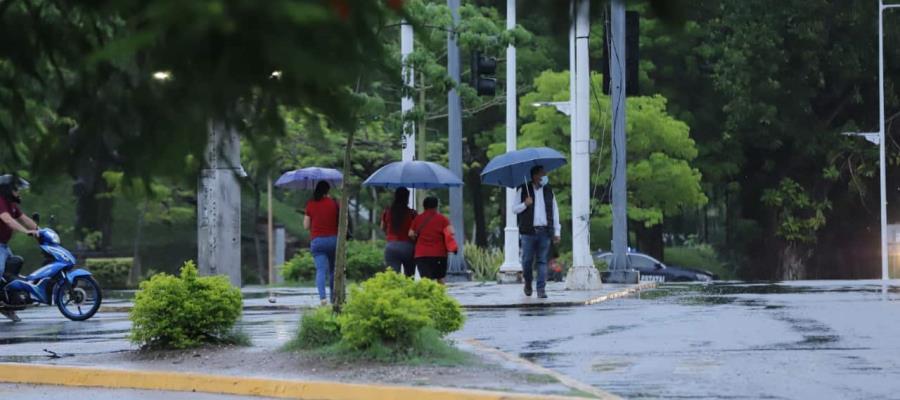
[(413, 174), (307, 178), (513, 169)]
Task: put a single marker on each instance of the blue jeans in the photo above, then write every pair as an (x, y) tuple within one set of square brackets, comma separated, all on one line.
[(4, 254), (535, 249), (322, 249)]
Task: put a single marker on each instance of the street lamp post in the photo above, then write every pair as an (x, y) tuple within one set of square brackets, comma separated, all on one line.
[(881, 141)]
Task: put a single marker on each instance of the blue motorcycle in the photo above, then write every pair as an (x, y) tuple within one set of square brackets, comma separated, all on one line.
[(74, 291)]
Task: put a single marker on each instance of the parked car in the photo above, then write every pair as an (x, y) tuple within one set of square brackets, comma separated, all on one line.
[(654, 270)]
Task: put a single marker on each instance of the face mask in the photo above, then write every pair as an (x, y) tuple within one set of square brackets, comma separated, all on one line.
[(545, 180)]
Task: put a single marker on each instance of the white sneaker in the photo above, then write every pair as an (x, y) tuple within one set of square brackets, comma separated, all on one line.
[(11, 315)]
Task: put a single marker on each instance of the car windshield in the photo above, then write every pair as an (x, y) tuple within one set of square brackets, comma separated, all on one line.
[(642, 262)]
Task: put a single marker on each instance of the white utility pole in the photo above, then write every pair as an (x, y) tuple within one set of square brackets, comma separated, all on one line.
[(885, 274), (512, 265), (582, 275), (407, 103)]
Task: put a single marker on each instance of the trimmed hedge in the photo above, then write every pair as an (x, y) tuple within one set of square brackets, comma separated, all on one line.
[(111, 273), (364, 260)]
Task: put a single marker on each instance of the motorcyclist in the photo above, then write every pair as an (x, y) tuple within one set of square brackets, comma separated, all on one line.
[(12, 219)]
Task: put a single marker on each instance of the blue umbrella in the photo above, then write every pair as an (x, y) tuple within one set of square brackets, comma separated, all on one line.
[(513, 169), (413, 174), (307, 178)]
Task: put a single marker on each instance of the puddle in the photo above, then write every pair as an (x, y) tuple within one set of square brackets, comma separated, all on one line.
[(612, 329)]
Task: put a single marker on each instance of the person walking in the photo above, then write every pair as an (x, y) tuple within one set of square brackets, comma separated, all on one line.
[(322, 222), (395, 223), (430, 230), (538, 215)]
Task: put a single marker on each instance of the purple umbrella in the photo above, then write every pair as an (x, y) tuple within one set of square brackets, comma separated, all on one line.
[(307, 178)]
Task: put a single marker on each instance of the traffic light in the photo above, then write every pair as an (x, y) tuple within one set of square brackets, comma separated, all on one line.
[(632, 54), (483, 69)]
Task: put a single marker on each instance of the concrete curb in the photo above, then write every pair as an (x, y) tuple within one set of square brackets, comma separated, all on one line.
[(535, 368), (237, 385), (535, 304)]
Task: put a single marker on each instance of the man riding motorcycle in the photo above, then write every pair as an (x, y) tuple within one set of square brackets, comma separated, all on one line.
[(12, 219)]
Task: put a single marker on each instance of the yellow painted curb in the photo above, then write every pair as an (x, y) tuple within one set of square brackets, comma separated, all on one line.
[(236, 385)]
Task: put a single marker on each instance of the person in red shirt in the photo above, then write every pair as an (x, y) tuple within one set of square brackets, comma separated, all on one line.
[(395, 223), (428, 232), (12, 219), (322, 222)]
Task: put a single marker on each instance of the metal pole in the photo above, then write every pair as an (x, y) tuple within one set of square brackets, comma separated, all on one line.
[(270, 234), (582, 275), (881, 142), (456, 264), (512, 265), (407, 103)]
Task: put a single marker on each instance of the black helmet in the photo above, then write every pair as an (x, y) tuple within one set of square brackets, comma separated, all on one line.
[(10, 183)]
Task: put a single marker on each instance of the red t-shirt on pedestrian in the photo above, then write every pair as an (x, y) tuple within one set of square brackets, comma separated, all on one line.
[(323, 215), (403, 236), (430, 242), (13, 210)]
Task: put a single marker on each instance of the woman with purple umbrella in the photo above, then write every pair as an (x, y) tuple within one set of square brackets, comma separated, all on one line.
[(322, 222)]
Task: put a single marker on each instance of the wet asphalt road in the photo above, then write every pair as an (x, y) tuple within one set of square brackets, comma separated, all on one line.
[(805, 340)]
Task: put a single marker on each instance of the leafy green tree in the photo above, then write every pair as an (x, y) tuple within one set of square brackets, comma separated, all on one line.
[(661, 180)]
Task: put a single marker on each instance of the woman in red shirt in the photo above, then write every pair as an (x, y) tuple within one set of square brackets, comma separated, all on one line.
[(322, 221), (428, 232), (395, 223)]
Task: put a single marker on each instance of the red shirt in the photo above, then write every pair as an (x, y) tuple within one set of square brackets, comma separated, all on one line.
[(404, 227), (430, 242), (13, 210), (323, 215)]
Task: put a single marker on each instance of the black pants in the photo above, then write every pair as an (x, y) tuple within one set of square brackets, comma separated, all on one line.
[(432, 267), (397, 254)]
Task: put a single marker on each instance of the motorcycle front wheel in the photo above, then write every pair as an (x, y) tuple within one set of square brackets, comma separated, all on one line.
[(79, 300)]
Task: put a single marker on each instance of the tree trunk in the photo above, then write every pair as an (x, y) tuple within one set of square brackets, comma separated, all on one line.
[(134, 275), (93, 212), (261, 265), (792, 262), (373, 222), (340, 262), (650, 240)]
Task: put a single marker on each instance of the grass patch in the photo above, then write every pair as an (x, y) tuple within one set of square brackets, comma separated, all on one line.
[(580, 393), (237, 337), (702, 257), (541, 378), (427, 348)]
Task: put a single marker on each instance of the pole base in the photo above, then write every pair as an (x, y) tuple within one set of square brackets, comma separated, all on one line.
[(583, 278), (630, 277), (507, 277)]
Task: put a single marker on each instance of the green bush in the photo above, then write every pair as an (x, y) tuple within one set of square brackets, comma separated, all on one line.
[(299, 268), (318, 328), (701, 256), (485, 263), (112, 273), (364, 259), (391, 309), (185, 311)]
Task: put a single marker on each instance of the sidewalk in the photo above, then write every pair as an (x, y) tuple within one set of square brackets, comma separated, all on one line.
[(471, 295)]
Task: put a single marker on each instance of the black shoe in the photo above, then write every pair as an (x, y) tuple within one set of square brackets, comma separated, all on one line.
[(11, 315), (528, 289), (542, 294)]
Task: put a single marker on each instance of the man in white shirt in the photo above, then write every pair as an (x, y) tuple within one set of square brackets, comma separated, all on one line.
[(538, 215)]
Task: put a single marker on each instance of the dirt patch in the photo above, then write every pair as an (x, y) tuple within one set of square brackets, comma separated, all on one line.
[(480, 372)]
